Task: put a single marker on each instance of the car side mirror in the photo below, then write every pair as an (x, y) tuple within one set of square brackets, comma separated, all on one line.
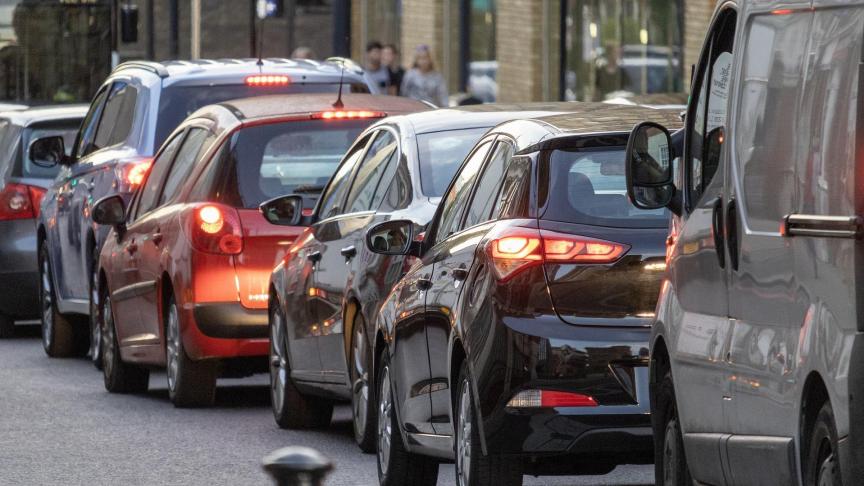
[(649, 166), (283, 210), (110, 211), (48, 152), (394, 237)]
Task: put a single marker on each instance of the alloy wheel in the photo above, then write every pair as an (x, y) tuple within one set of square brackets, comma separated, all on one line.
[(108, 338), (385, 425), (463, 436), (172, 346), (827, 474), (47, 305), (360, 386), (95, 321), (278, 363)]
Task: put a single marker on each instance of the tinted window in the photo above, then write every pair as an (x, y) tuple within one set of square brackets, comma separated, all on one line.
[(331, 202), (88, 127), (184, 162), (486, 194), (178, 102), (588, 187), (399, 190), (513, 199), (440, 155), (203, 190), (272, 160), (150, 190), (117, 117), (457, 198), (381, 154)]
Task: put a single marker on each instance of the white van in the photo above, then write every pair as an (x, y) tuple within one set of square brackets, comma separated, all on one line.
[(757, 366)]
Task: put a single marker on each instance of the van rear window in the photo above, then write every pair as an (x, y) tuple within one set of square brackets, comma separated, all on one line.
[(589, 187)]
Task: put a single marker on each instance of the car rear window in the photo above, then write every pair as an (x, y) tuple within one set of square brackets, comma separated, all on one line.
[(589, 187), (272, 160), (178, 102), (441, 154)]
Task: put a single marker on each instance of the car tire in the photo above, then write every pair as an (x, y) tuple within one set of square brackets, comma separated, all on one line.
[(58, 334), (120, 377), (291, 409), (396, 465), (670, 461), (363, 394), (473, 468), (190, 383), (821, 467), (95, 334), (7, 327)]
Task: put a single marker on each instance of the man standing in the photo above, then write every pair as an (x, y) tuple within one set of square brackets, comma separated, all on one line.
[(390, 60), (375, 70)]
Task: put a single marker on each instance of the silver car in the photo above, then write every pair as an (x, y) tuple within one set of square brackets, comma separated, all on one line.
[(22, 184)]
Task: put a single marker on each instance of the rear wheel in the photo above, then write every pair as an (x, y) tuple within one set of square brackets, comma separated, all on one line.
[(821, 465), (473, 468), (397, 466), (95, 351), (119, 376), (670, 464), (190, 383), (291, 409), (362, 395), (58, 336), (7, 327)]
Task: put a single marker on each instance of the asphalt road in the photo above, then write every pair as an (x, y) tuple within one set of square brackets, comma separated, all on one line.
[(58, 425)]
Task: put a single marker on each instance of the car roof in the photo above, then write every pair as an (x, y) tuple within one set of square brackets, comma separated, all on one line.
[(45, 113), (259, 107), (477, 116), (300, 70)]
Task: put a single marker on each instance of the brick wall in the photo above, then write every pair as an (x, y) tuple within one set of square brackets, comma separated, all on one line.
[(519, 50), (422, 22)]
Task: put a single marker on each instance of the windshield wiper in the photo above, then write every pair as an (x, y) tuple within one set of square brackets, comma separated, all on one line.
[(307, 188)]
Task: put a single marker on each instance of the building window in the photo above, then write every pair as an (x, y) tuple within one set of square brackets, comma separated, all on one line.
[(621, 48), (480, 60)]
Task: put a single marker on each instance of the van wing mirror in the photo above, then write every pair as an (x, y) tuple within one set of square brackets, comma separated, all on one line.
[(394, 237), (283, 210), (649, 166), (110, 211), (48, 152)]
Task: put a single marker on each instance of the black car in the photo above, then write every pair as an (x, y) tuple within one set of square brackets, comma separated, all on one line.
[(327, 292), (519, 341)]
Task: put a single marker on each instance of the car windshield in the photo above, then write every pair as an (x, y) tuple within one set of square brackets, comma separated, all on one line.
[(276, 159), (441, 154), (178, 102), (589, 187)]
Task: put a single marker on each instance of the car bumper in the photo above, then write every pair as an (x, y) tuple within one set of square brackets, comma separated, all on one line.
[(19, 269), (225, 330)]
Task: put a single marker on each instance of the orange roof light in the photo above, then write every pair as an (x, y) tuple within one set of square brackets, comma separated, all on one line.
[(347, 114), (267, 80)]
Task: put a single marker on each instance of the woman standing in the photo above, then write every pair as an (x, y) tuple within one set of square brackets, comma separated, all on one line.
[(423, 82)]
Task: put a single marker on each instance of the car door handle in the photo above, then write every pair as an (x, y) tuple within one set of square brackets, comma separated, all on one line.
[(315, 256), (157, 238), (424, 283), (131, 248), (460, 273), (717, 231), (349, 252)]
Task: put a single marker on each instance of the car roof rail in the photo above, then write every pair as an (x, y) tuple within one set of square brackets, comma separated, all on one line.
[(154, 67), (344, 61)]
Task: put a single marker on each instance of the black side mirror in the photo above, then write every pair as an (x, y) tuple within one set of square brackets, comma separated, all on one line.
[(48, 151), (110, 211), (283, 210), (394, 237), (649, 166)]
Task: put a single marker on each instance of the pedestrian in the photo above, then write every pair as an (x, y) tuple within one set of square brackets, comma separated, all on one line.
[(375, 70), (423, 82), (390, 59), (303, 52)]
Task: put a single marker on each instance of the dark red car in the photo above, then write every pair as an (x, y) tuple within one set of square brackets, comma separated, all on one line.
[(184, 274)]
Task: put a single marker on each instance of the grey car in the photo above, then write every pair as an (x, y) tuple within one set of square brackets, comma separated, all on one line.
[(22, 185)]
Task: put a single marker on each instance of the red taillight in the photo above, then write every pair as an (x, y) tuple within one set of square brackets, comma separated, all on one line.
[(347, 115), (519, 248), (137, 172), (18, 201), (214, 228), (550, 399), (267, 80)]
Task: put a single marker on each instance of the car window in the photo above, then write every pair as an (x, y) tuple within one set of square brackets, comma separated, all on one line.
[(457, 197), (192, 147), (398, 193), (151, 189), (331, 202), (488, 186), (207, 185), (440, 154), (713, 83), (117, 117), (381, 154), (513, 199), (91, 120)]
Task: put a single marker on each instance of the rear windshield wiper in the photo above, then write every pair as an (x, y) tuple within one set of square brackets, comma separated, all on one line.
[(308, 188)]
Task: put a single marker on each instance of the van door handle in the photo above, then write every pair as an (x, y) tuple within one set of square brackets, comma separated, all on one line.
[(313, 257), (822, 226), (460, 273), (717, 231), (349, 252), (732, 232)]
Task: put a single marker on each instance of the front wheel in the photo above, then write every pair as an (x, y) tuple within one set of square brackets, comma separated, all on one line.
[(58, 336), (670, 462), (190, 383), (821, 467), (362, 394), (472, 467)]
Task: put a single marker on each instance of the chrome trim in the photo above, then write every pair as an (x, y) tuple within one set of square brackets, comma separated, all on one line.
[(134, 290), (822, 226)]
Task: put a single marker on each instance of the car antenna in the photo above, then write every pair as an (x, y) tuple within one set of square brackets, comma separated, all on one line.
[(260, 42), (338, 105)]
